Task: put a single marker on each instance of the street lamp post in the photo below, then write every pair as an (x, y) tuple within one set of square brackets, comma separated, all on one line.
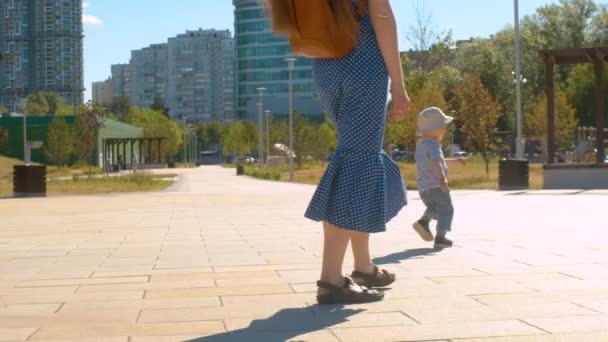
[(26, 155), (261, 128), (519, 146), (185, 159), (267, 133), (290, 66)]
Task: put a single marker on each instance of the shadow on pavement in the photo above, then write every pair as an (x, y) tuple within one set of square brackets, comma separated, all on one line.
[(396, 258), (286, 324)]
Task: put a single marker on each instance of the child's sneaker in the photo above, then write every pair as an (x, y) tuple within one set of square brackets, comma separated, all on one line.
[(443, 242), (422, 228)]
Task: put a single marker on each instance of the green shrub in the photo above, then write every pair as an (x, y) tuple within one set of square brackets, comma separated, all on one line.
[(266, 173)]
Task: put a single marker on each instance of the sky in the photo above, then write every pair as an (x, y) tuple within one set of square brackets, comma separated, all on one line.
[(115, 27)]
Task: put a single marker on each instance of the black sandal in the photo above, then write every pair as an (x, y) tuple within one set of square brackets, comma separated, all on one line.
[(379, 278), (346, 294)]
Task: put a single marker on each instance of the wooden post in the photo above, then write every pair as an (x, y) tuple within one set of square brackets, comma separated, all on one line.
[(132, 152), (124, 152), (150, 149), (550, 92), (600, 112)]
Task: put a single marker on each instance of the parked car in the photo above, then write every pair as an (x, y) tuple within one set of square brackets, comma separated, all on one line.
[(461, 154), (249, 160), (400, 155)]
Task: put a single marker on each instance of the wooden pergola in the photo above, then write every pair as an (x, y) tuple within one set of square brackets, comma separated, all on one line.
[(113, 147), (596, 56)]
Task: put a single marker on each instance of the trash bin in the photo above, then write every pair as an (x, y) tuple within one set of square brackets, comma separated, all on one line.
[(29, 180), (513, 174), (240, 170)]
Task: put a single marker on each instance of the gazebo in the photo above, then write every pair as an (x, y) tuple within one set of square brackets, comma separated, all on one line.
[(576, 176), (116, 150)]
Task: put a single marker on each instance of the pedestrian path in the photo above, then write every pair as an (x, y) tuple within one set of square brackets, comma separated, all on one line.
[(223, 258)]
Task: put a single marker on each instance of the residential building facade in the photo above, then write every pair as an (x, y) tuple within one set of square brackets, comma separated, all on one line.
[(201, 76), (102, 92), (148, 75), (121, 81), (41, 42)]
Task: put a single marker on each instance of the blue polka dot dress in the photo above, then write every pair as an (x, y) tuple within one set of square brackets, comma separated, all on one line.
[(362, 188)]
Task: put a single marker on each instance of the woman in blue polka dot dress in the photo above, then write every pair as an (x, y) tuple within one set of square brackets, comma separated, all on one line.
[(362, 188)]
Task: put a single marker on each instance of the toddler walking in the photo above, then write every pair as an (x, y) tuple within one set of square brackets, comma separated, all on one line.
[(432, 177)]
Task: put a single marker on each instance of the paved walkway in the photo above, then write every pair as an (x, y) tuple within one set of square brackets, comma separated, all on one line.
[(221, 258)]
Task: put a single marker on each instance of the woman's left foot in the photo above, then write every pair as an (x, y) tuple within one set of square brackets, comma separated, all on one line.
[(378, 278)]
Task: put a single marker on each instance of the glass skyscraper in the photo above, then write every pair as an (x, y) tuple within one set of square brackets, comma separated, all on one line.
[(260, 62)]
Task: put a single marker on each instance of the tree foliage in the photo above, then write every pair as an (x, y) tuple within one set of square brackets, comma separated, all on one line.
[(59, 142), (88, 122), (478, 114), (121, 107), (239, 137), (565, 121), (156, 125)]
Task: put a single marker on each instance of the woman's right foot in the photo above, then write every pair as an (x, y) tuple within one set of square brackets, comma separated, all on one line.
[(422, 228), (348, 293)]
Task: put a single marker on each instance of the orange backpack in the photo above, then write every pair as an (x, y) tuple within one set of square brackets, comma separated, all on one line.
[(316, 32)]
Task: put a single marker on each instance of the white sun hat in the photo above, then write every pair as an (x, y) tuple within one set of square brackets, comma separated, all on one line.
[(431, 119)]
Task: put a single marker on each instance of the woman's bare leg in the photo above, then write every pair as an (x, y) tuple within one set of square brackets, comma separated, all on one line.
[(360, 245), (334, 248)]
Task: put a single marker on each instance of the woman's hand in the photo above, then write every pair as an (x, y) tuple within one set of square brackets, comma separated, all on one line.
[(400, 105)]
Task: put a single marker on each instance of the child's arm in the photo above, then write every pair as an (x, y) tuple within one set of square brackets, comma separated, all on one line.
[(460, 161), (440, 174)]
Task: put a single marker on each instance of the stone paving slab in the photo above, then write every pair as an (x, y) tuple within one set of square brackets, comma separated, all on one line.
[(225, 258)]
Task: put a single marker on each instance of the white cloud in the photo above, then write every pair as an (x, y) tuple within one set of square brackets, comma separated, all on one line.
[(89, 19)]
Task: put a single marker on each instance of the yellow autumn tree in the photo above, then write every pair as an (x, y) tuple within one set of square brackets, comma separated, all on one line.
[(478, 116)]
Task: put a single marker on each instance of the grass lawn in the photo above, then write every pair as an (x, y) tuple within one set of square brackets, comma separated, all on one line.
[(81, 184), (470, 177), (6, 169)]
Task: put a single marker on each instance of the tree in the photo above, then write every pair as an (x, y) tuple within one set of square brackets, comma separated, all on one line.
[(325, 141), (121, 107), (279, 132), (238, 138), (159, 106), (478, 114), (580, 93), (54, 102), (214, 132), (88, 122), (36, 104), (565, 121), (421, 34), (599, 27), (59, 142), (156, 125), (303, 138), (3, 110), (201, 135), (3, 136)]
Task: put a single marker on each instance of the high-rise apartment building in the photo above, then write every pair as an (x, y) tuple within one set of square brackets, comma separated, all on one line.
[(102, 92), (260, 63), (41, 41), (121, 81), (201, 76), (148, 71)]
